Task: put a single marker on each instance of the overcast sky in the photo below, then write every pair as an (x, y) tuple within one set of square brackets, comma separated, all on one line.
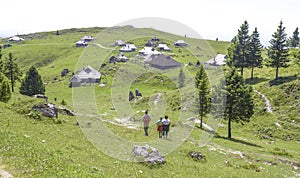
[(210, 18)]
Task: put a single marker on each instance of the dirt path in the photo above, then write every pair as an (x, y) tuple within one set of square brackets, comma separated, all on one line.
[(157, 98), (100, 46), (266, 101)]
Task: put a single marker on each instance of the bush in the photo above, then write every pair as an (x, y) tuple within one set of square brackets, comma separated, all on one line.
[(63, 102), (35, 115), (32, 84)]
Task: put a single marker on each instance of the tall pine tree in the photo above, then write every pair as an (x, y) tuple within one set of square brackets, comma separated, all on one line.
[(233, 52), (294, 41), (203, 98), (218, 99), (32, 84), (255, 59), (11, 70), (5, 93), (181, 78), (279, 49), (239, 102), (239, 51)]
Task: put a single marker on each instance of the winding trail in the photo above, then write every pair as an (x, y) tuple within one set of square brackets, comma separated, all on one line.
[(100, 46), (266, 101), (157, 98)]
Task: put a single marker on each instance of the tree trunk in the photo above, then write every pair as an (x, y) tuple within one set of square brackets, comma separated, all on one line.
[(12, 86), (276, 77), (229, 128), (252, 73), (12, 82), (229, 123), (242, 71), (201, 122)]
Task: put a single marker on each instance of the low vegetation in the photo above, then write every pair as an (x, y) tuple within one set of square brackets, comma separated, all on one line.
[(36, 146)]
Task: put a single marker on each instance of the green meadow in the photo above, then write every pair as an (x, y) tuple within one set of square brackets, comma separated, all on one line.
[(71, 146)]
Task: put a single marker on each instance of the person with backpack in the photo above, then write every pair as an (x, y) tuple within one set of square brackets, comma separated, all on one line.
[(146, 119), (159, 127), (166, 127)]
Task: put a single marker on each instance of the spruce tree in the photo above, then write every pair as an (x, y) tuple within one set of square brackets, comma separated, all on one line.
[(244, 40), (181, 78), (32, 84), (255, 59), (5, 93), (279, 49), (233, 51), (218, 99), (203, 97), (11, 70), (239, 102), (294, 42), (240, 48)]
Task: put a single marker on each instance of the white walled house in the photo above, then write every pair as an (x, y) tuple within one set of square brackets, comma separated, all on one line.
[(218, 60), (15, 39), (148, 51), (87, 76), (128, 48), (163, 47)]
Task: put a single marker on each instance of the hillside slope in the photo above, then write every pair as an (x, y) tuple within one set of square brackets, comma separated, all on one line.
[(267, 146)]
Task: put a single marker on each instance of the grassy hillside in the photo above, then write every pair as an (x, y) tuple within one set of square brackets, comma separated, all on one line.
[(267, 146)]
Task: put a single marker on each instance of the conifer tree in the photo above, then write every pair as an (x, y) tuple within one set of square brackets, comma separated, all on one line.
[(294, 41), (233, 51), (181, 78), (255, 59), (11, 70), (218, 99), (5, 93), (239, 102), (279, 49), (32, 84), (203, 97), (239, 51)]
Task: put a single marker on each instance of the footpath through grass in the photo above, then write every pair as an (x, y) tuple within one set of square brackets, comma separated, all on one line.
[(267, 146)]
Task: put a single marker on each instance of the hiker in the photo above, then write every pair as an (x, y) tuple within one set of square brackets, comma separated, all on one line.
[(146, 119), (166, 126), (159, 127)]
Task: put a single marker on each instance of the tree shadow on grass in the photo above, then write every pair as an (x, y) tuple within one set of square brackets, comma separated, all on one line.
[(255, 80), (282, 80), (238, 141)]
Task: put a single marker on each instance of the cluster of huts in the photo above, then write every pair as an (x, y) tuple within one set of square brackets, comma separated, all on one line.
[(12, 39), (152, 53), (83, 42)]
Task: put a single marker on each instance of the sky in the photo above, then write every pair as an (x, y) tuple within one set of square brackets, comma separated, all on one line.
[(210, 18)]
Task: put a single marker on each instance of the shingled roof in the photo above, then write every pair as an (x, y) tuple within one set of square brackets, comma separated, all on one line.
[(162, 62)]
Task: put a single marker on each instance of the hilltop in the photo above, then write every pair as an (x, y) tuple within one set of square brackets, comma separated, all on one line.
[(267, 146)]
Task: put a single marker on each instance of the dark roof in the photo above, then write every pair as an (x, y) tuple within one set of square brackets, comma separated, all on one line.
[(149, 43), (155, 39), (162, 61)]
